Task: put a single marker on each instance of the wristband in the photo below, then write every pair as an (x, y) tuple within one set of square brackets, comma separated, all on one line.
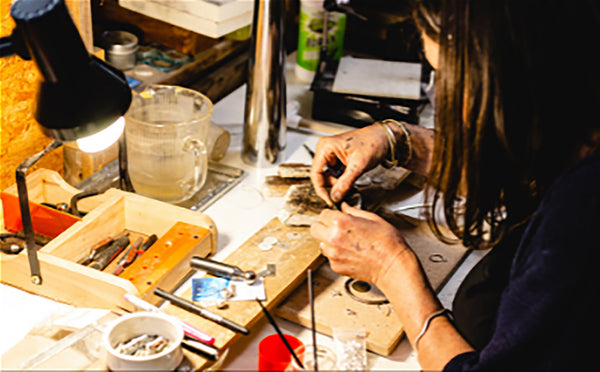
[(406, 147), (444, 312), (390, 161)]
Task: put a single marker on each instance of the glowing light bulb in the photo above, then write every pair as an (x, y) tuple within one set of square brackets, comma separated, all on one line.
[(103, 139)]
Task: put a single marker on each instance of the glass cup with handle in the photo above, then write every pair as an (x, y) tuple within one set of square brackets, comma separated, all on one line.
[(166, 130)]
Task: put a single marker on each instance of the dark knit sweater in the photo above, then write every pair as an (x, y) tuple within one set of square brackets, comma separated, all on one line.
[(547, 314)]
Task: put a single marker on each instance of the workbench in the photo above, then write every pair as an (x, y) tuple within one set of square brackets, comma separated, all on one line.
[(238, 215)]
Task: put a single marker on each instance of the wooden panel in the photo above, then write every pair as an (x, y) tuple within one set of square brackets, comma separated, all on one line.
[(291, 265), (334, 307)]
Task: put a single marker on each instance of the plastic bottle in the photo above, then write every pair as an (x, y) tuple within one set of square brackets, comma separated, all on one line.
[(310, 35)]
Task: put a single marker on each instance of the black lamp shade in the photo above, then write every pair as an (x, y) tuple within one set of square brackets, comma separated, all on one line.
[(79, 94)]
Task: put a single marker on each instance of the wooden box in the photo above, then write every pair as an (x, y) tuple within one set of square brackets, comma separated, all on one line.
[(64, 280), (44, 186)]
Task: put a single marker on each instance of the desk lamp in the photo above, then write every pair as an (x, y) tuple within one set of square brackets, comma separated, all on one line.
[(80, 97)]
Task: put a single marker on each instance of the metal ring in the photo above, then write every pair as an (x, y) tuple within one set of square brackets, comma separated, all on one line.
[(436, 257)]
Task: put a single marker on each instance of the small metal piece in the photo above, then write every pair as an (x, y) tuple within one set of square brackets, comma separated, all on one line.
[(362, 181), (437, 257), (283, 245), (268, 271), (270, 240), (350, 312), (335, 293), (377, 179), (265, 247), (227, 292), (294, 235), (347, 286)]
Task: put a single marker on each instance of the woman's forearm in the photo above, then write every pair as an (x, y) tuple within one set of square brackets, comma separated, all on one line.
[(414, 301)]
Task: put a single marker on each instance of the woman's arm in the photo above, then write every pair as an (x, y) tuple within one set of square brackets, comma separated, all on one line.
[(363, 246)]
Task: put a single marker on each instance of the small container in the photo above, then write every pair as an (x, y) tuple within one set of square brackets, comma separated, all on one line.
[(326, 359), (136, 324), (121, 48)]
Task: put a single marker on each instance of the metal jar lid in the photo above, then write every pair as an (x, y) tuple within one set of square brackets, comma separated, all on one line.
[(120, 42)]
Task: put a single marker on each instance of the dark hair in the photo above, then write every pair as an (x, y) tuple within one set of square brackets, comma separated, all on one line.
[(515, 99)]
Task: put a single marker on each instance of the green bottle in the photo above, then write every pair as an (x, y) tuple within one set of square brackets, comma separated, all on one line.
[(310, 35)]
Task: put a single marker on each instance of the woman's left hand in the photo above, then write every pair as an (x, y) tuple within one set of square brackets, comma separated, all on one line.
[(359, 244)]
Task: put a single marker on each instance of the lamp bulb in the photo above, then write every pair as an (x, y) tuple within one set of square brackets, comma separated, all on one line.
[(103, 139)]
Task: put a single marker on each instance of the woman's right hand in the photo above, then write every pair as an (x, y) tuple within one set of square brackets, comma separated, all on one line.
[(352, 153)]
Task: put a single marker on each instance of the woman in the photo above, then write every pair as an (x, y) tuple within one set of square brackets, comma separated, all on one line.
[(517, 136)]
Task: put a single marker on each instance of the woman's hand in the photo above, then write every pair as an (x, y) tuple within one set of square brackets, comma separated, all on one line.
[(354, 152), (359, 244)]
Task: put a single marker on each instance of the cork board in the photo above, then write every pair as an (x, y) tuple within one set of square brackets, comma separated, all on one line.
[(334, 307), (20, 135)]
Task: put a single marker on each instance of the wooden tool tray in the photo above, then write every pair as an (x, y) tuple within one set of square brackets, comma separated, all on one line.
[(115, 212)]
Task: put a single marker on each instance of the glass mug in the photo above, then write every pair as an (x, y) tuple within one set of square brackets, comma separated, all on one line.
[(166, 130)]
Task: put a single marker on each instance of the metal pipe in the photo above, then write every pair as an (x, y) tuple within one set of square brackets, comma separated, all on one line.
[(264, 122)]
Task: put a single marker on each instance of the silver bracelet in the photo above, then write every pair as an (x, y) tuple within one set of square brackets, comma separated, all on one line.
[(445, 312)]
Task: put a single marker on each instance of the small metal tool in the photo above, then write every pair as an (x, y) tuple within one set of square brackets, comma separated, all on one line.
[(207, 351), (130, 256), (110, 253), (95, 250), (193, 308), (222, 270)]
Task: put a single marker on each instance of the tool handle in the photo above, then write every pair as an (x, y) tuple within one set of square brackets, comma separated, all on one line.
[(98, 247), (148, 243), (193, 308), (216, 268), (109, 254), (209, 352), (188, 329)]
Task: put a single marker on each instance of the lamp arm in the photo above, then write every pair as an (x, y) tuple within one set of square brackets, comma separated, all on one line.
[(6, 47), (34, 265)]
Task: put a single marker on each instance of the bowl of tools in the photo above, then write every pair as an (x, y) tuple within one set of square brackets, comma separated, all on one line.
[(144, 341)]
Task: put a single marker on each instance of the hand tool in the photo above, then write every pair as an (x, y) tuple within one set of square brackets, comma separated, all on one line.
[(193, 308), (129, 256), (311, 299), (95, 250), (148, 243), (221, 269), (11, 243), (110, 253), (278, 330), (188, 329), (209, 352)]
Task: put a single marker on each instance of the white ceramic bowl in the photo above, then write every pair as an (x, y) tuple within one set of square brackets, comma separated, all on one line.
[(136, 324)]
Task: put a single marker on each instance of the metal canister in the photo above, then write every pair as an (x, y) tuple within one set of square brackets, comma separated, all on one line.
[(121, 48), (264, 122)]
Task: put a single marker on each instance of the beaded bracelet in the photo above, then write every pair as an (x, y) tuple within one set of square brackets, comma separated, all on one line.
[(444, 312), (405, 146), (392, 161)]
